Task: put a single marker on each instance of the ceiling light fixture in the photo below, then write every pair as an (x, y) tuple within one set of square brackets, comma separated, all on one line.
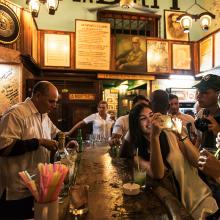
[(126, 3), (34, 6), (205, 18)]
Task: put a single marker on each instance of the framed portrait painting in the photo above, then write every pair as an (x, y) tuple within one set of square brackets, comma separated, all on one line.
[(157, 56), (205, 54), (173, 29), (181, 56), (130, 53)]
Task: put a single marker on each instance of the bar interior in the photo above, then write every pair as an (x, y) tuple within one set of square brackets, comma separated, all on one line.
[(109, 109)]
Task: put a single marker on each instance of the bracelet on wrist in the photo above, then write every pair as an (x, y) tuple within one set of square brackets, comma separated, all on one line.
[(182, 139)]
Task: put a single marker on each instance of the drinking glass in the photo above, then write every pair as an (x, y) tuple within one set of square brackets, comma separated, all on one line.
[(139, 176), (78, 199)]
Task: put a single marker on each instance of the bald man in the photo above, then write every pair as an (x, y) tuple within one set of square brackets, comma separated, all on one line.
[(26, 134)]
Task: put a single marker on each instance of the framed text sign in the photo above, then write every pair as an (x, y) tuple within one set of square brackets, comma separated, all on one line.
[(92, 45), (10, 84), (57, 50), (82, 96)]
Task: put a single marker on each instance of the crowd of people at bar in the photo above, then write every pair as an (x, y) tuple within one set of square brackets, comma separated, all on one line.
[(184, 148)]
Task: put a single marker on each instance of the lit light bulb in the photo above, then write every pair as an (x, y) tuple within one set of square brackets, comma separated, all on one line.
[(34, 6), (186, 23), (205, 22)]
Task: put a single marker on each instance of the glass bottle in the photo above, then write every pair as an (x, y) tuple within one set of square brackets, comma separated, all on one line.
[(80, 140), (61, 153)]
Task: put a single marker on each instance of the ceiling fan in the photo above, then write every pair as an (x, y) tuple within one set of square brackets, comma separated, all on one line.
[(125, 4)]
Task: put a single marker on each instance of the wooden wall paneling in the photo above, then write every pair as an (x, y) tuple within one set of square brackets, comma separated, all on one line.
[(41, 43), (170, 56), (72, 50), (113, 52), (27, 21), (34, 43), (196, 57)]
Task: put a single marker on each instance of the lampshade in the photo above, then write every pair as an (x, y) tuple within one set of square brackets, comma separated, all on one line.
[(126, 3), (205, 18), (34, 6), (205, 22), (186, 23), (52, 6)]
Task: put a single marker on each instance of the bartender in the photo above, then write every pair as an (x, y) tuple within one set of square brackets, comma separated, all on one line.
[(26, 134)]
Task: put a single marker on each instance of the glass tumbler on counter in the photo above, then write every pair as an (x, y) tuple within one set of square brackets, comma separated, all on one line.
[(139, 176), (78, 199)]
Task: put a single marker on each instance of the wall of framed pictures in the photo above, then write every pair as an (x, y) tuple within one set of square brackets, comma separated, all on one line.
[(143, 55)]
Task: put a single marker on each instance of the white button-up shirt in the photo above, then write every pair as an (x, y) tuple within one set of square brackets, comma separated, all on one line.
[(100, 126), (121, 125), (23, 122)]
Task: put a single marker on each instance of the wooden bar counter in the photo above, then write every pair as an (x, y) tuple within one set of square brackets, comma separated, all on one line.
[(105, 176)]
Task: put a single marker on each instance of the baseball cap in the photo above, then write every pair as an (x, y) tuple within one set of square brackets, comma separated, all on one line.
[(209, 81)]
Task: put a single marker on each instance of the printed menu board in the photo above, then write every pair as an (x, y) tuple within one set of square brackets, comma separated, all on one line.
[(10, 82), (92, 45)]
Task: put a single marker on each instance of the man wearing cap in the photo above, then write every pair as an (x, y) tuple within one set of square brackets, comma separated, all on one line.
[(134, 59), (208, 92)]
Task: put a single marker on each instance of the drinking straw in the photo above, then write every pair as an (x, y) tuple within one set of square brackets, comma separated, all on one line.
[(51, 177), (217, 152)]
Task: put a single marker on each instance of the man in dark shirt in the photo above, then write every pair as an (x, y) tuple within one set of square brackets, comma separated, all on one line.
[(208, 93)]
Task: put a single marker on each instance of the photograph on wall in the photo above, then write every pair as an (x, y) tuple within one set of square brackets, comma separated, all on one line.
[(157, 56), (130, 53), (217, 49), (181, 56), (57, 50), (205, 54), (173, 29), (93, 45), (10, 84)]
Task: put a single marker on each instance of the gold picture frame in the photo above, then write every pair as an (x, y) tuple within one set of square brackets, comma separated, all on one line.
[(157, 56), (173, 29), (206, 54), (181, 56)]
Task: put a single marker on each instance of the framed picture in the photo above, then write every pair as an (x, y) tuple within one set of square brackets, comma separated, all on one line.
[(181, 56), (217, 50), (92, 45), (57, 50), (157, 56), (173, 29), (130, 53), (11, 86), (205, 54)]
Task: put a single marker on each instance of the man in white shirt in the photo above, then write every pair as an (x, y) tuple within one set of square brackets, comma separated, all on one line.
[(121, 125), (101, 121), (26, 134), (187, 120)]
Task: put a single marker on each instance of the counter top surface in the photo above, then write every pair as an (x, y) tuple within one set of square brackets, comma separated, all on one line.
[(105, 177)]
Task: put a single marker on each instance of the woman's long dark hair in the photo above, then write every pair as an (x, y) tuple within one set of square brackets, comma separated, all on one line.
[(136, 136)]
